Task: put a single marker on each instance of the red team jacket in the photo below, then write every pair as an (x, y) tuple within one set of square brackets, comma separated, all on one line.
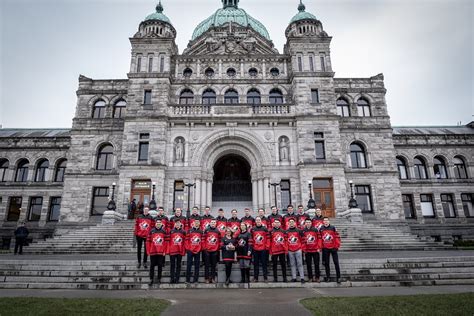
[(143, 226), (234, 224), (260, 240), (191, 220), (330, 238), (195, 241), (182, 219), (265, 222), (212, 240), (221, 225), (301, 219), (286, 220), (271, 219), (177, 244), (318, 222), (295, 239), (164, 220), (157, 242), (312, 241), (278, 242), (249, 221), (206, 221)]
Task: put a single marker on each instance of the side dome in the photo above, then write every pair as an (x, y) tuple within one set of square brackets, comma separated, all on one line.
[(302, 14), (158, 15)]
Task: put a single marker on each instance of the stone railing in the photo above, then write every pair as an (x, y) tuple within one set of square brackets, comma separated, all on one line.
[(229, 109)]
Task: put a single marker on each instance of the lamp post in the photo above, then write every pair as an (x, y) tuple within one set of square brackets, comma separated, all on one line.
[(352, 201), (112, 206), (274, 185), (152, 204), (311, 202), (189, 186)]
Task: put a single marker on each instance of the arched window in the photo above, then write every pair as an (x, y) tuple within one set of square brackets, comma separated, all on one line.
[(275, 72), (460, 171), (253, 97), (276, 97), (119, 108), (209, 97), (343, 108), (187, 72), (105, 157), (60, 171), (420, 168), (4, 164), (402, 168), (22, 171), (231, 97), (209, 72), (231, 72), (253, 72), (439, 168), (41, 171), (186, 97), (99, 109), (363, 107), (358, 159)]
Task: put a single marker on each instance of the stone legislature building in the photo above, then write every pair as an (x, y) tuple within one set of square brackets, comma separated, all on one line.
[(232, 122)]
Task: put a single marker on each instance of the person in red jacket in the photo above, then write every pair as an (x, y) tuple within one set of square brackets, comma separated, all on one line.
[(331, 243), (157, 247), (194, 216), (290, 215), (161, 215), (295, 253), (176, 251), (312, 245), (143, 226), (248, 219), (278, 249), (221, 222), (302, 217), (206, 218), (178, 216), (234, 222), (260, 243), (212, 243), (273, 216), (194, 247), (261, 214), (318, 219)]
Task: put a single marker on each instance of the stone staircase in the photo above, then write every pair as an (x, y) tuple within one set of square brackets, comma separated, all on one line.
[(119, 238)]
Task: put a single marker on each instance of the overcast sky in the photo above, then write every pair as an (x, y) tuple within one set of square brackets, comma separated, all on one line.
[(423, 47)]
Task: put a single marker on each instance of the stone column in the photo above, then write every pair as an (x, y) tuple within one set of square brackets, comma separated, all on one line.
[(260, 193), (197, 193), (266, 195), (203, 193), (254, 195), (209, 194)]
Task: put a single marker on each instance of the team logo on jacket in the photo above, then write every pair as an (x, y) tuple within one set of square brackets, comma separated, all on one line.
[(311, 239), (222, 227), (293, 240), (259, 239), (158, 240), (144, 225), (195, 240), (242, 242), (327, 237), (279, 239), (319, 225), (177, 240), (212, 240)]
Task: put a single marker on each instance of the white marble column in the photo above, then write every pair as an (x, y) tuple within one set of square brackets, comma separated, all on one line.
[(203, 193), (254, 195), (266, 195), (260, 193), (197, 193), (209, 194)]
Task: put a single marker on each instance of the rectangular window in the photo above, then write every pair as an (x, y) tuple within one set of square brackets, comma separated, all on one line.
[(467, 204), (100, 199), (285, 193), (319, 146), (314, 96), (300, 63), (448, 205), (427, 208), (322, 58), (162, 64), (147, 97), (408, 206), (178, 200), (364, 198), (139, 63), (34, 212), (150, 64), (311, 63), (14, 209), (54, 209), (143, 147)]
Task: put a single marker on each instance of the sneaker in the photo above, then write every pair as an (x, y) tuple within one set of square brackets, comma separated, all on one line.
[(145, 266), (326, 280), (303, 281), (139, 265), (293, 280)]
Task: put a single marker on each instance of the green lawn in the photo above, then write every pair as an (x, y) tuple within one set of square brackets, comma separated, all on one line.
[(57, 306), (449, 304)]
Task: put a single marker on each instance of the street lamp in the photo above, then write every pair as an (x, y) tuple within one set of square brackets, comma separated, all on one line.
[(311, 202), (189, 186), (112, 206), (274, 185), (352, 201), (152, 204)]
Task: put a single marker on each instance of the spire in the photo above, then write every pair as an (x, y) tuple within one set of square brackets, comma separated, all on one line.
[(159, 7), (301, 6), (230, 3)]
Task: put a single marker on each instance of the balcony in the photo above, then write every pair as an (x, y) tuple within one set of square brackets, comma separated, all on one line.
[(230, 109)]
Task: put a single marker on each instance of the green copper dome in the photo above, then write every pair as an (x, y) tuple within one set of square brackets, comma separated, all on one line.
[(158, 15), (230, 13), (302, 14)]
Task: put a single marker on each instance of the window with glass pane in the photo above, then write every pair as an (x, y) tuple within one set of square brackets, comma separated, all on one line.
[(150, 64), (60, 171), (139, 63), (439, 168), (300, 63), (322, 58), (467, 199), (276, 97), (322, 184), (253, 72), (147, 97), (363, 107), (187, 72), (426, 203), (100, 200), (22, 171), (178, 195), (105, 158), (285, 191), (54, 209), (34, 213), (231, 97), (186, 97), (4, 164), (162, 64), (275, 72), (99, 109), (14, 209), (253, 97), (319, 146), (420, 168), (209, 97), (209, 72), (314, 96), (119, 109), (459, 168), (448, 205), (364, 198), (402, 168), (358, 156), (143, 147), (311, 63), (231, 72), (408, 207), (41, 171), (343, 108)]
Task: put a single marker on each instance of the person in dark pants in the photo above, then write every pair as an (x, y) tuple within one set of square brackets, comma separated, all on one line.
[(312, 245), (278, 249), (194, 244), (260, 243), (331, 243), (21, 233), (143, 225), (157, 247), (176, 250), (212, 245), (228, 253)]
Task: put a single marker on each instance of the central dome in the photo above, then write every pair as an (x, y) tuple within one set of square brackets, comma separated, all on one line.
[(230, 13)]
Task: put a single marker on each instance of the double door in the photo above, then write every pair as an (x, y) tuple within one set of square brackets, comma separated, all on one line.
[(324, 196)]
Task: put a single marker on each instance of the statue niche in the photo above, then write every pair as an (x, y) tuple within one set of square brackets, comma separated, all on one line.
[(179, 149), (284, 148)]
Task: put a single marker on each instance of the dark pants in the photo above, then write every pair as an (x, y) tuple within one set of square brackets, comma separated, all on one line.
[(192, 259), (140, 242), (175, 267), (156, 261), (260, 257), (335, 259), (310, 258), (20, 241), (210, 263), (282, 259), (228, 269)]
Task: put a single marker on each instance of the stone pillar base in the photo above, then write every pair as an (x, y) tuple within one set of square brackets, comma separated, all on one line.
[(110, 217), (354, 215)]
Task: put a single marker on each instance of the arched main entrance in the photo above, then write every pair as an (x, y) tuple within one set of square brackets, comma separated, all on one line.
[(232, 181)]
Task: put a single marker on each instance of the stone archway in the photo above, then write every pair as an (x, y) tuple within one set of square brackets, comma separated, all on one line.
[(232, 180)]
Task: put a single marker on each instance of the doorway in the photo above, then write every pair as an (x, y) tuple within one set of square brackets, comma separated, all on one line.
[(324, 196), (141, 192)]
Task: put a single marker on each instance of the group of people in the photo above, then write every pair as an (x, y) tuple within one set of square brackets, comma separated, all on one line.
[(248, 240)]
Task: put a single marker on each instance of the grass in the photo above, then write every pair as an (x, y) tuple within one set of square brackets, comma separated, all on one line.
[(56, 306), (444, 304)]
